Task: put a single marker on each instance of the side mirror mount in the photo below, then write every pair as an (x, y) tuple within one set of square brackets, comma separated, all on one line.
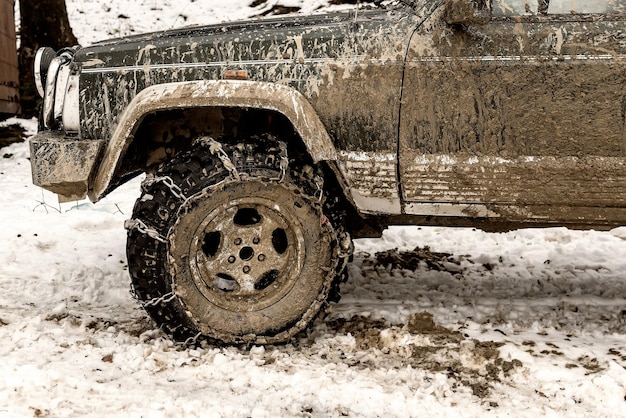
[(466, 12)]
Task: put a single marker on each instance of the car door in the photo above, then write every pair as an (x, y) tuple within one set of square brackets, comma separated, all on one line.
[(520, 119)]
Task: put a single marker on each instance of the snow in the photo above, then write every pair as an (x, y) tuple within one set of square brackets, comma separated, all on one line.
[(526, 323)]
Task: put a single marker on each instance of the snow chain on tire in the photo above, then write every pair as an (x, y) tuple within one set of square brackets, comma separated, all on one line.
[(214, 170)]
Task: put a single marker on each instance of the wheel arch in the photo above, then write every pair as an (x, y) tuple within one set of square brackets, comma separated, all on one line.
[(211, 94)]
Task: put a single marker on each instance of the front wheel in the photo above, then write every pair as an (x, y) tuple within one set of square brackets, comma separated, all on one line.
[(225, 244)]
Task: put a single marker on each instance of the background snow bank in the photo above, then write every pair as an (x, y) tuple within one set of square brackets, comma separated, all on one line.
[(525, 323)]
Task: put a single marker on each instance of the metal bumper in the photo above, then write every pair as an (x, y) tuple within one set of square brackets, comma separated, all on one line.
[(63, 165)]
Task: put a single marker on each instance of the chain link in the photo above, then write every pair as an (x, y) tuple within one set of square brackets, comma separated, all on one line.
[(138, 225), (319, 183), (284, 161), (168, 297), (217, 149), (192, 340), (167, 181)]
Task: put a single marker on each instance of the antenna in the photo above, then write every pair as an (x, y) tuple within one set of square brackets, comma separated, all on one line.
[(356, 12)]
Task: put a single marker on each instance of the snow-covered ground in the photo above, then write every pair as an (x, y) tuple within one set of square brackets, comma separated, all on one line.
[(523, 324)]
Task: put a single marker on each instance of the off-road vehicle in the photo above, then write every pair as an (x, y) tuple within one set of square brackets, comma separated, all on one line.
[(268, 145)]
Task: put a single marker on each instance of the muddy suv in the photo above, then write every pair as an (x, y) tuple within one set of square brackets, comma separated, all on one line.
[(269, 145)]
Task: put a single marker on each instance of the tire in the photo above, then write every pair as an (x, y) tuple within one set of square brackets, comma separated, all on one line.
[(227, 245)]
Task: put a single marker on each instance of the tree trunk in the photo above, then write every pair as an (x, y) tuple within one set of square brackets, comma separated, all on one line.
[(43, 23)]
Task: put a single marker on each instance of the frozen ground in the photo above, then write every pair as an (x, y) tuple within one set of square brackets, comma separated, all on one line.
[(523, 324)]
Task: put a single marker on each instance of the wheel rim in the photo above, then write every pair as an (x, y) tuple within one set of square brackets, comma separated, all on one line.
[(246, 254)]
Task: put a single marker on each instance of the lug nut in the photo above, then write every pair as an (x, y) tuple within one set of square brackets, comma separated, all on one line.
[(256, 240), (246, 269), (231, 259), (237, 241), (261, 257)]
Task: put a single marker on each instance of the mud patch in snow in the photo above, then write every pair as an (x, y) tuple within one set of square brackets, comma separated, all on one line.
[(419, 344), (411, 260), (10, 135)]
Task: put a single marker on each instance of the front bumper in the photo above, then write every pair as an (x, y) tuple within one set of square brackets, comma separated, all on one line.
[(63, 165)]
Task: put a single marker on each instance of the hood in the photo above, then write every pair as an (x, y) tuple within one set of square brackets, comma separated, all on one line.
[(234, 41)]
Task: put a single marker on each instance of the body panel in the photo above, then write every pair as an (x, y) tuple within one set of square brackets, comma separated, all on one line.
[(349, 68), (522, 117)]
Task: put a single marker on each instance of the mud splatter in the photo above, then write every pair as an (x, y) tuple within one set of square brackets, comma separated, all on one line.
[(140, 327)]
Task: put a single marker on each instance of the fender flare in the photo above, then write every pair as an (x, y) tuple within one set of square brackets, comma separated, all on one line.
[(212, 93)]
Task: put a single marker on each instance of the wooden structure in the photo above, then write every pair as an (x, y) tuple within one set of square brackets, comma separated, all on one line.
[(9, 86)]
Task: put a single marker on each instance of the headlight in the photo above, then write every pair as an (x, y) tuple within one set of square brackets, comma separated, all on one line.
[(43, 58), (52, 73)]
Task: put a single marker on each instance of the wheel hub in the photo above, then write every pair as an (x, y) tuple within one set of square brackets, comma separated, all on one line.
[(245, 254)]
